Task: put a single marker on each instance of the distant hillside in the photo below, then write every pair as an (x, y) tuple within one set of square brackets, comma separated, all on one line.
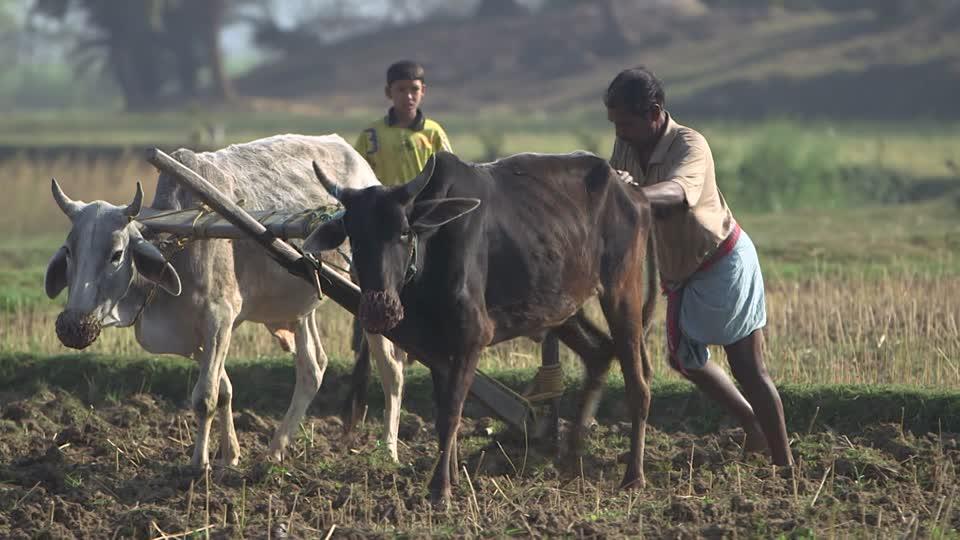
[(719, 62)]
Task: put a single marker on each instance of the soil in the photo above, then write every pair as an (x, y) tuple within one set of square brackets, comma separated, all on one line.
[(121, 470)]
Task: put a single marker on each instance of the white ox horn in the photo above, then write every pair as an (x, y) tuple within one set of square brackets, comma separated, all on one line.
[(69, 206), (133, 209), (332, 187)]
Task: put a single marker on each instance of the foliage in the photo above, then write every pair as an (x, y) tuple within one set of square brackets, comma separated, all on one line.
[(786, 169), (151, 48), (883, 8)]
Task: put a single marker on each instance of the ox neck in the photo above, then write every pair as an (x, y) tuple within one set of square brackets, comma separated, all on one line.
[(135, 301)]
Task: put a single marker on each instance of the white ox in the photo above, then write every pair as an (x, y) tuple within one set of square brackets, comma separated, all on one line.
[(190, 305)]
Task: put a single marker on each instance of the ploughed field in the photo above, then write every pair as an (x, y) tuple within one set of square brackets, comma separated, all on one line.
[(120, 469)]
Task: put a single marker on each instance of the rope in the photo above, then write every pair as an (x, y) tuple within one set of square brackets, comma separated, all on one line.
[(312, 218), (178, 243), (546, 384)]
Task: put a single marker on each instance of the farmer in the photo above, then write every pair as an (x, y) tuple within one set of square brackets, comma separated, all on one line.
[(709, 269)]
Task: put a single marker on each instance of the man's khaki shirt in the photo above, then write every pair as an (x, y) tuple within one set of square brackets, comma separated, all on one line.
[(689, 234)]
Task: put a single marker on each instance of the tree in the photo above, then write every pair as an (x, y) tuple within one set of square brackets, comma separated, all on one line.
[(153, 49), (500, 8)]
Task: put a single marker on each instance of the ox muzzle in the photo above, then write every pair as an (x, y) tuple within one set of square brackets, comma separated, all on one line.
[(380, 311), (77, 330)]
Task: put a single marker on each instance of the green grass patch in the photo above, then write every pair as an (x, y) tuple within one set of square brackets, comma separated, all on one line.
[(268, 385), (917, 150)]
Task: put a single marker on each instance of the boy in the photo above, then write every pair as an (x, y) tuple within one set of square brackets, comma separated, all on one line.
[(398, 145)]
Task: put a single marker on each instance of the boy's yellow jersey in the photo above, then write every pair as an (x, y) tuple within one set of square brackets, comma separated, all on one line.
[(399, 154)]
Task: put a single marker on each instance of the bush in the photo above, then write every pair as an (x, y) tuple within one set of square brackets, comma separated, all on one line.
[(782, 169)]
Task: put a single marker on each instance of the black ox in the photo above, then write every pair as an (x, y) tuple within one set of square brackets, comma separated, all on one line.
[(468, 255)]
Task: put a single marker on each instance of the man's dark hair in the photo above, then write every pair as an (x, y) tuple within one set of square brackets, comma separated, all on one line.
[(405, 70), (636, 89)]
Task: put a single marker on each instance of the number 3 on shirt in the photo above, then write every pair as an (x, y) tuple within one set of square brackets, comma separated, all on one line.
[(373, 143)]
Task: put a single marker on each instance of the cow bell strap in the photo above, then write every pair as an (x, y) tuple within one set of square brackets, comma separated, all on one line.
[(412, 269)]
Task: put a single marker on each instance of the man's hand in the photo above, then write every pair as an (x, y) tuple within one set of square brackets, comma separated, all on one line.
[(665, 197), (626, 177)]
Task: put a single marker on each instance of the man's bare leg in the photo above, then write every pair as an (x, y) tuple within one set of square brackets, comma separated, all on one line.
[(746, 363), (715, 383)]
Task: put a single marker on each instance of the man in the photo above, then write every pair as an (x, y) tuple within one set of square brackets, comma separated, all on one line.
[(708, 265)]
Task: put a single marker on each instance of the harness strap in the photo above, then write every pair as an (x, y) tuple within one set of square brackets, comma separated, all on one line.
[(412, 269)]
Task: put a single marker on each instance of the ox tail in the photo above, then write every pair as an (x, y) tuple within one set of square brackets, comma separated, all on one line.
[(650, 301), (356, 402)]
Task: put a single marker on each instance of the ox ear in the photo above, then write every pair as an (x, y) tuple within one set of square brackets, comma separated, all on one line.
[(56, 278), (327, 236), (432, 214), (150, 262)]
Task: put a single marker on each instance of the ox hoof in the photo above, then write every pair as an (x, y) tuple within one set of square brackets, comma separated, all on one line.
[(754, 443), (631, 482), (196, 470), (229, 462), (440, 498), (275, 452)]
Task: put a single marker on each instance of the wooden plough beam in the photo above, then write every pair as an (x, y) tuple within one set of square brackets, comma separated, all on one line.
[(507, 405)]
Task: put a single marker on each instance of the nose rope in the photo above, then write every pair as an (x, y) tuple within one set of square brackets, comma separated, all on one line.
[(178, 243)]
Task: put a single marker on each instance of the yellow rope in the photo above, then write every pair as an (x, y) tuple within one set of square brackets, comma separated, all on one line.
[(546, 384), (312, 218)]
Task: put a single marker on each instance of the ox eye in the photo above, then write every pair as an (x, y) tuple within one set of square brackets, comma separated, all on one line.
[(66, 251), (117, 256), (404, 235)]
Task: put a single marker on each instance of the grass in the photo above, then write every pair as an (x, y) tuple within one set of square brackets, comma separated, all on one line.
[(822, 329), (923, 149), (855, 295), (266, 384)]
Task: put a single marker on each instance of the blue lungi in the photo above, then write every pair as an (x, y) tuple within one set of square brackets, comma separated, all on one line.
[(720, 304)]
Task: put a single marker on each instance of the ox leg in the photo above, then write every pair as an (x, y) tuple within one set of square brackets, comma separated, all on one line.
[(623, 314), (229, 446), (205, 397), (596, 351), (311, 362), (391, 378), (450, 392)]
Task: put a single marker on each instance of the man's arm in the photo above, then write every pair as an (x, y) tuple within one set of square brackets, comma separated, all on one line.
[(665, 194), (661, 195)]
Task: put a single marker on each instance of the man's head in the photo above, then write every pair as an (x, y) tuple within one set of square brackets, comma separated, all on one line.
[(635, 104), (405, 87)]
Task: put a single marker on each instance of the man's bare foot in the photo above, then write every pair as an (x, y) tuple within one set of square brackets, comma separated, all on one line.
[(754, 442)]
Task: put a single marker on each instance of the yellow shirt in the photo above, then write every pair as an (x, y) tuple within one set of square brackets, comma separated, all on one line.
[(398, 154), (688, 235)]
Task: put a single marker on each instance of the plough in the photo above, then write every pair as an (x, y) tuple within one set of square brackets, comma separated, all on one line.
[(222, 218)]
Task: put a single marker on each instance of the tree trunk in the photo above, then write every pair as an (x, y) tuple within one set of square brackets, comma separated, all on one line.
[(222, 88), (613, 41), (500, 8)]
